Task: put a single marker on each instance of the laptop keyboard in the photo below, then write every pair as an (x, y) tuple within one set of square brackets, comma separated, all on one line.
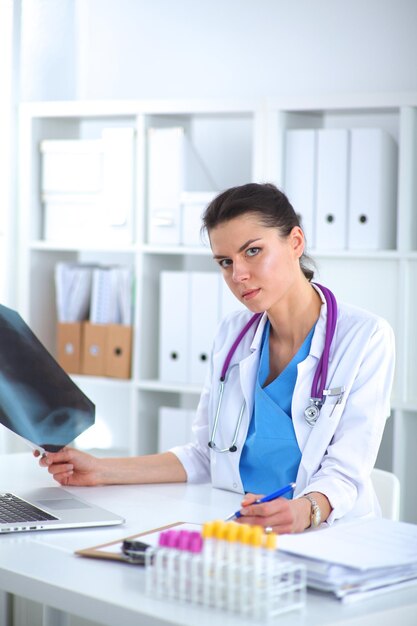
[(13, 509)]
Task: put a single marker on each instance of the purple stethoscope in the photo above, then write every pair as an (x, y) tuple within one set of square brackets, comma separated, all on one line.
[(318, 391)]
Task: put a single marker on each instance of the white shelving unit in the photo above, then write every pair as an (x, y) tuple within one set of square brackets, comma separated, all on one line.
[(238, 142), (127, 410)]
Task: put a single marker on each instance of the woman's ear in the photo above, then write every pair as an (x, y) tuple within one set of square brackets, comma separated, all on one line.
[(297, 241)]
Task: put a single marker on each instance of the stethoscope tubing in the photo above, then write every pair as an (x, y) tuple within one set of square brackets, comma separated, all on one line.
[(320, 375)]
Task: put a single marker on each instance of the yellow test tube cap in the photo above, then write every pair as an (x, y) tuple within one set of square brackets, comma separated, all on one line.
[(270, 541), (208, 530), (232, 531), (256, 536), (219, 530), (244, 533)]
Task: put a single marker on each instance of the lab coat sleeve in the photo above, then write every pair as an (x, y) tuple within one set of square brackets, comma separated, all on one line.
[(351, 454), (195, 457)]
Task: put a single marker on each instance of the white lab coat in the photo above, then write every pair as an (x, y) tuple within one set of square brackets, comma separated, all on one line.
[(339, 452)]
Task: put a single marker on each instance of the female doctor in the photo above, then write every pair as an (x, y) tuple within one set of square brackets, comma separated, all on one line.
[(298, 386)]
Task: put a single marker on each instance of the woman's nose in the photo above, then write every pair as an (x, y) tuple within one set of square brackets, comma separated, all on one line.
[(240, 272)]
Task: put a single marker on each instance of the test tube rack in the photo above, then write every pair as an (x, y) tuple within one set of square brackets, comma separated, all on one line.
[(221, 572)]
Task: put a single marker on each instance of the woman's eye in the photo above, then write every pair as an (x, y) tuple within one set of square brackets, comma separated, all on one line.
[(252, 251), (225, 263)]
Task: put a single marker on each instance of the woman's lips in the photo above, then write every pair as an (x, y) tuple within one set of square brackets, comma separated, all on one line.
[(251, 293)]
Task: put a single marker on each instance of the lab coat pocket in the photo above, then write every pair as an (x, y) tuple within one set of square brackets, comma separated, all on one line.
[(321, 435)]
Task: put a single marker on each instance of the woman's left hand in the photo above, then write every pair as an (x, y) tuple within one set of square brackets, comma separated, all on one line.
[(281, 515)]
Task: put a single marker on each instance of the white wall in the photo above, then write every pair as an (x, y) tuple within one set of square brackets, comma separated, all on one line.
[(208, 48), (91, 49), (48, 50)]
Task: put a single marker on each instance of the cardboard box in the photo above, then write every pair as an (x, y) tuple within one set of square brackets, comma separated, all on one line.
[(118, 351), (106, 350), (69, 343)]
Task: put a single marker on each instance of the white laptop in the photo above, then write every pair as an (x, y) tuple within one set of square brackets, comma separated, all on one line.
[(40, 403)]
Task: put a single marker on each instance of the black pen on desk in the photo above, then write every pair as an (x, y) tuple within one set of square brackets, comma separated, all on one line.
[(271, 496)]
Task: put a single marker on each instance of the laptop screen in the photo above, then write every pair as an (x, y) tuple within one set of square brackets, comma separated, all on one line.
[(38, 400)]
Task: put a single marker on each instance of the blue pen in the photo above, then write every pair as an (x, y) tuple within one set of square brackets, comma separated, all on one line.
[(272, 496)]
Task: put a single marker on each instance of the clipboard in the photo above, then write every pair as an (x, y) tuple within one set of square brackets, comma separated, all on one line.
[(113, 549)]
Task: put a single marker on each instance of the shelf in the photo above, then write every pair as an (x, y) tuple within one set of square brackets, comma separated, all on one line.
[(178, 250), (389, 255), (81, 379), (157, 385), (49, 246)]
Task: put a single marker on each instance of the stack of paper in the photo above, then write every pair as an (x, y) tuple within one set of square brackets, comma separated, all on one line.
[(111, 296), (73, 289), (354, 559), (101, 294)]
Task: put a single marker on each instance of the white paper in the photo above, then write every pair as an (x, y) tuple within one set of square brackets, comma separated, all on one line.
[(362, 545)]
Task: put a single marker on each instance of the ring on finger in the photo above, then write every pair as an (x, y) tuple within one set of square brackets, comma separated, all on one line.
[(268, 530)]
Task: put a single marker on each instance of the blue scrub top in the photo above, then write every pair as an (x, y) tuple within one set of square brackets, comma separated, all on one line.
[(271, 456)]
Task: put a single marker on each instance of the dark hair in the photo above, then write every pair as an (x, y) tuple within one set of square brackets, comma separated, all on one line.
[(265, 200)]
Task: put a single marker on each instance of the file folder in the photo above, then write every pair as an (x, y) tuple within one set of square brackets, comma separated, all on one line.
[(332, 189), (118, 183), (204, 315), (118, 351), (94, 349), (300, 177), (372, 201), (165, 184), (174, 327)]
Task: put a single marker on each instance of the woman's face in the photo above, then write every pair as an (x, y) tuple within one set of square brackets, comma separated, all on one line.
[(260, 266)]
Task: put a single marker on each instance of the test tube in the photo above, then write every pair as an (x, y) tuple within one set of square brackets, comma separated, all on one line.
[(232, 565), (243, 584), (220, 556), (256, 573), (208, 563)]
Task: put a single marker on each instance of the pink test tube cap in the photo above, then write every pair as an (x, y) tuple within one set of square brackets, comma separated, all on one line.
[(171, 540), (183, 540), (196, 542)]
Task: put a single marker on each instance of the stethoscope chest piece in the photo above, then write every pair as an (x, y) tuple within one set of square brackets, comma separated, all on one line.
[(312, 412)]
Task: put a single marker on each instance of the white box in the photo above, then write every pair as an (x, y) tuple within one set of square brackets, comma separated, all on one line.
[(72, 166), (165, 184), (87, 189), (300, 177), (332, 189), (372, 190)]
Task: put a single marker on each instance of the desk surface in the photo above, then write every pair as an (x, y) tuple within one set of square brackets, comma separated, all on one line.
[(42, 566)]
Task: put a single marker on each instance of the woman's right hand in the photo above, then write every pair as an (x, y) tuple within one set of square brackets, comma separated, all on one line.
[(71, 467)]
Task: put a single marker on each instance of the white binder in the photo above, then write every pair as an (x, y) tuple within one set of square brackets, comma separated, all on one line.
[(332, 189), (118, 176), (372, 192), (204, 316), (174, 427), (228, 302), (165, 184), (174, 327), (300, 177), (193, 205)]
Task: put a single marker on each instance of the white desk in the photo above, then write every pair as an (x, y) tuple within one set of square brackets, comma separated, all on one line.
[(41, 566)]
